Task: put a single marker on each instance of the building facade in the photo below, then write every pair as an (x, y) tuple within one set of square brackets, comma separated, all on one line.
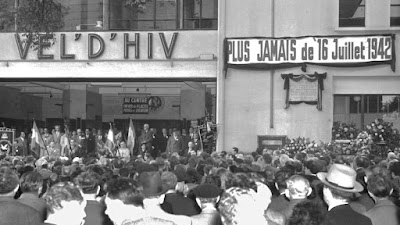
[(107, 51)]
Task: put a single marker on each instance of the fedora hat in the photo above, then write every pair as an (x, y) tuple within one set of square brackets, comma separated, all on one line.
[(342, 178)]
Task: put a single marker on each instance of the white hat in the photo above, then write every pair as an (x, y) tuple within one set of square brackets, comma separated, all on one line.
[(342, 178)]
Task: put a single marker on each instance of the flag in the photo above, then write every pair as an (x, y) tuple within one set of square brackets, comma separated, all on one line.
[(36, 140), (110, 140), (130, 142)]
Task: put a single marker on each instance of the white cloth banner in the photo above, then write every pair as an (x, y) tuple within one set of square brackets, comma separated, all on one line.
[(354, 49)]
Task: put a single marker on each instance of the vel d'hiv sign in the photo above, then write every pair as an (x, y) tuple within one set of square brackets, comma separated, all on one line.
[(274, 53)]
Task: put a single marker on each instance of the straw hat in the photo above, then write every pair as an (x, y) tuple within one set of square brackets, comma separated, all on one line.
[(342, 178)]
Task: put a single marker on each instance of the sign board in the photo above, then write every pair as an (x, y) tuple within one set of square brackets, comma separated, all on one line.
[(269, 53), (141, 104), (272, 142), (7, 137), (303, 90), (135, 105)]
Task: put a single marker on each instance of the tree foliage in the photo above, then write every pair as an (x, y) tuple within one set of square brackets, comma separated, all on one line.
[(38, 17)]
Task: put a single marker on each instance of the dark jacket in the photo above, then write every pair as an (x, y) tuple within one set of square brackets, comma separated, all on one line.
[(35, 202), (180, 205), (95, 214), (345, 215), (13, 212)]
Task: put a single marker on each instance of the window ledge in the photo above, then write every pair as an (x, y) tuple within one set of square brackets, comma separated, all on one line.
[(361, 29)]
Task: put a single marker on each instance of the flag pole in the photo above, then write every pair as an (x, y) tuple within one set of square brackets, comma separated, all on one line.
[(45, 147)]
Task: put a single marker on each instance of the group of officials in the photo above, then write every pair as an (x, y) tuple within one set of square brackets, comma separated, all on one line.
[(94, 142)]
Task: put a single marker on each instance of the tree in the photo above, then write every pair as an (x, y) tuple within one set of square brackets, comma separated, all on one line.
[(40, 17)]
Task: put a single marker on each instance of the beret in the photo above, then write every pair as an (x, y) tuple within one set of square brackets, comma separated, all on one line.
[(207, 191)]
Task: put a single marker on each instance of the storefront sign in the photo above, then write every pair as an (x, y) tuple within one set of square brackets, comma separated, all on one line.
[(135, 105), (97, 45), (303, 90), (270, 53), (141, 104)]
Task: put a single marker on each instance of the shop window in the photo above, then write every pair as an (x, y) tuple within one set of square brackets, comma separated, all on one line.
[(200, 14), (347, 108), (164, 15), (351, 13), (83, 15), (394, 12)]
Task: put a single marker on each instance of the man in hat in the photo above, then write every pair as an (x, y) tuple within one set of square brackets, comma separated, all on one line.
[(339, 187), (207, 197)]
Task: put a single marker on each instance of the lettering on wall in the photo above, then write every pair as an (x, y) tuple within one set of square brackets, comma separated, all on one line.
[(129, 43)]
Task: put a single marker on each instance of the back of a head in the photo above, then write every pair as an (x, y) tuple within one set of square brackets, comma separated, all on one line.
[(298, 187), (89, 182), (62, 192), (238, 206), (126, 190), (380, 186), (307, 213), (267, 158), (8, 180), (280, 178), (169, 179), (395, 168), (361, 162), (31, 182)]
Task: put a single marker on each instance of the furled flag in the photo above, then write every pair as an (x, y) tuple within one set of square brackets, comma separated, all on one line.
[(36, 140), (131, 137), (110, 140)]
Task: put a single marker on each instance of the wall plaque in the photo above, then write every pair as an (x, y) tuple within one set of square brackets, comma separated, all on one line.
[(303, 90)]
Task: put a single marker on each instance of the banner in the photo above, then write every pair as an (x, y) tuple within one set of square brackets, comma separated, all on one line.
[(272, 53), (141, 104)]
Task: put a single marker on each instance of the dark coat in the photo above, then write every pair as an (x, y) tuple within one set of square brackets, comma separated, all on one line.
[(13, 212), (384, 212), (35, 202), (179, 205), (21, 147), (95, 214), (174, 145), (345, 215)]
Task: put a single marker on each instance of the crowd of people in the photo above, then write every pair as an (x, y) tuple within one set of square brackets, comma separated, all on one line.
[(185, 185), (95, 142)]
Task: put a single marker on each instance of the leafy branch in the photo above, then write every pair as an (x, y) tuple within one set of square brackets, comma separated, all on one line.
[(36, 18)]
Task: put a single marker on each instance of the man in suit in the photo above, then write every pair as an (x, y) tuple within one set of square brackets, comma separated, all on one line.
[(12, 211), (175, 144), (339, 186), (185, 138), (146, 137), (175, 203), (31, 187), (88, 143), (196, 141), (57, 134), (21, 148), (384, 211), (164, 140), (47, 137)]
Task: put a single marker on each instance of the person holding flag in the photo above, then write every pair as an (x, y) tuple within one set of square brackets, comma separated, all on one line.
[(130, 141), (37, 144), (110, 145)]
